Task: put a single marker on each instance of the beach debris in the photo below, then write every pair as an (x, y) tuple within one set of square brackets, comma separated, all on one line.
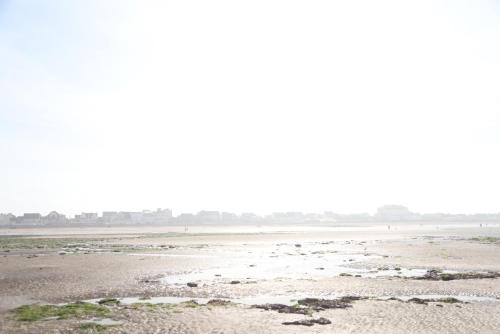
[(308, 322), (192, 285)]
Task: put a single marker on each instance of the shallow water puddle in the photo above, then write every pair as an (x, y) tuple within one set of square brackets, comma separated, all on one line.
[(288, 261), (252, 300), (279, 261), (103, 321), (290, 268)]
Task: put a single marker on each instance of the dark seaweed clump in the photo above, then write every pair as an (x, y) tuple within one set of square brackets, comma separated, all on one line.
[(436, 275)]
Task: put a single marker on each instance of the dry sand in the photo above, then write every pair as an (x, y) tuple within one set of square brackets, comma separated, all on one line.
[(267, 261)]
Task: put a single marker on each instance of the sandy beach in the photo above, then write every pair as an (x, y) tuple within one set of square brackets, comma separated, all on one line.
[(413, 278)]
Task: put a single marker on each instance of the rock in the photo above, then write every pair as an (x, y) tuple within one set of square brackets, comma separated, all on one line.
[(298, 245), (323, 304), (309, 305), (436, 275), (447, 300), (149, 281), (108, 301), (308, 322), (322, 321), (418, 301), (273, 307), (234, 282), (281, 308), (350, 299), (345, 275), (192, 285)]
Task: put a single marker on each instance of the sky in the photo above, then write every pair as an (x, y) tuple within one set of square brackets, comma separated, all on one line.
[(249, 106)]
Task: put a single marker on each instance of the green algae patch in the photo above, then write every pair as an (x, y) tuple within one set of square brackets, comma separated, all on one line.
[(492, 240), (76, 310), (190, 304), (151, 306), (448, 300)]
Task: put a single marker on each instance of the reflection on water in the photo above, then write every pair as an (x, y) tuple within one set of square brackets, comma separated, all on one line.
[(287, 261)]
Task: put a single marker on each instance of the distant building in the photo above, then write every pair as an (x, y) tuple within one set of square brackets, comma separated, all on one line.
[(249, 217), (185, 218), (55, 217), (228, 217), (30, 219), (109, 216), (313, 217), (163, 215), (288, 217), (395, 213), (87, 217), (208, 217), (136, 216), (355, 217), (7, 218)]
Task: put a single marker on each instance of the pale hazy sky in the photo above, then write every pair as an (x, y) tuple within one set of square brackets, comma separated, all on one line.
[(259, 105)]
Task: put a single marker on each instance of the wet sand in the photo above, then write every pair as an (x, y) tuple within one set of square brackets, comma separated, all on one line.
[(255, 264)]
